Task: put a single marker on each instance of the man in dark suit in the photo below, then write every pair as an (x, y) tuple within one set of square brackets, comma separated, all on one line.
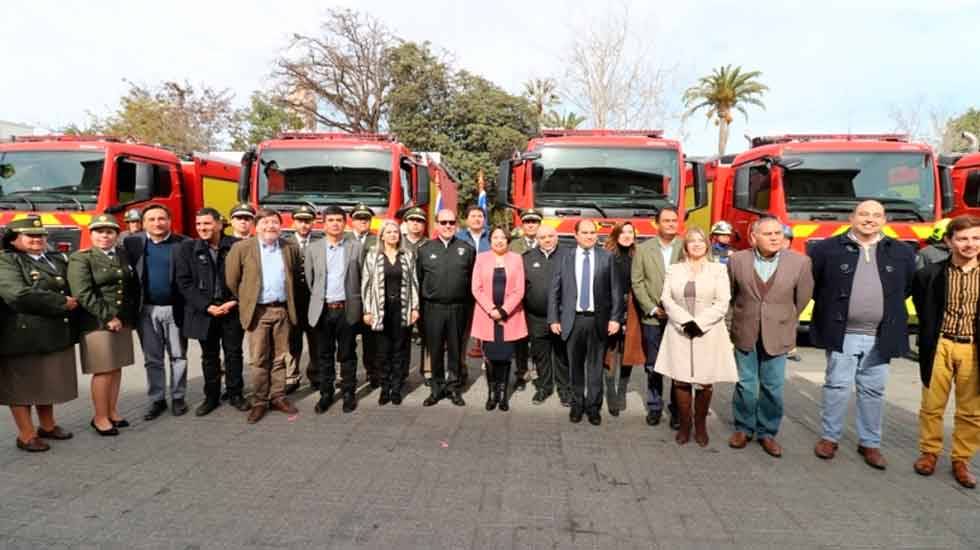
[(210, 310), (262, 273), (547, 349), (585, 306), (332, 269), (161, 310), (303, 236)]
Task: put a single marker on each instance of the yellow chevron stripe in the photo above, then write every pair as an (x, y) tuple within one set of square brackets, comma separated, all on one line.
[(804, 230), (82, 219)]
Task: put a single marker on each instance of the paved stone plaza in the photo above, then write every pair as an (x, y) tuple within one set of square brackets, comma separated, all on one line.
[(460, 478)]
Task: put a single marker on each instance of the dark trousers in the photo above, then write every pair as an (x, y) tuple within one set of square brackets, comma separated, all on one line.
[(498, 372), (296, 334), (445, 334), (652, 336), (224, 333), (548, 354), (370, 347), (336, 343), (585, 349), (521, 355), (393, 347)]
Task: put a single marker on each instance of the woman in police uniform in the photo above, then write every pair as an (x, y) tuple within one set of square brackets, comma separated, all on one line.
[(107, 291), (37, 358)]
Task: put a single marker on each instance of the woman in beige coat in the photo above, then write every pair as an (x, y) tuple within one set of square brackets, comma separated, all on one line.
[(696, 351)]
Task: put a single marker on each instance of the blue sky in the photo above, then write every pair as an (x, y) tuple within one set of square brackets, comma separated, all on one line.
[(831, 65)]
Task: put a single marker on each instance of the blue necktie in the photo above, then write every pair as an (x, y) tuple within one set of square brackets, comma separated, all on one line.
[(586, 286)]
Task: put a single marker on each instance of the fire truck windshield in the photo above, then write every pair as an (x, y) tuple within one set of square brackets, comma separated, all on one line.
[(342, 176), (71, 177), (835, 182), (606, 176)]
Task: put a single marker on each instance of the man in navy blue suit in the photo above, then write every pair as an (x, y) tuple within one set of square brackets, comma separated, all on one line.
[(585, 306)]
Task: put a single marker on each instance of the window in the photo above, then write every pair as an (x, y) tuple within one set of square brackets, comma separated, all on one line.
[(405, 173), (971, 191), (753, 187), (140, 181)]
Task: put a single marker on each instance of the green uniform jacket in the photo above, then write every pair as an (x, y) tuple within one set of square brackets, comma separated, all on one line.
[(105, 288), (34, 316), (519, 245)]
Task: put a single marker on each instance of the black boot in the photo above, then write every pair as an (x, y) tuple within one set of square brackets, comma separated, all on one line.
[(502, 396), (609, 377), (492, 398)]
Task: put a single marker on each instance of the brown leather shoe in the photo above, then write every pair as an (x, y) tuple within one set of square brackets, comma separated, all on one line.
[(35, 445), (55, 433), (770, 446), (257, 412), (825, 449), (283, 405), (961, 471), (926, 465), (738, 440), (872, 457)]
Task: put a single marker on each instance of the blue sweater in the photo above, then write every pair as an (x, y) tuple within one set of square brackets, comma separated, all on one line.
[(156, 269)]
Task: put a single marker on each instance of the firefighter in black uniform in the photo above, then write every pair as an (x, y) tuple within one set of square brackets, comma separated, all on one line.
[(445, 269), (547, 348)]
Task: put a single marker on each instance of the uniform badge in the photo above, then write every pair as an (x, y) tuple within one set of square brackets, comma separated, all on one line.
[(889, 268), (844, 267), (535, 264), (461, 251), (433, 257)]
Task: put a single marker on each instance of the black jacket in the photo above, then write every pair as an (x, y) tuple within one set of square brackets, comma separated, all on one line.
[(607, 296), (135, 246), (538, 270), (445, 272), (929, 296), (195, 273), (834, 264)]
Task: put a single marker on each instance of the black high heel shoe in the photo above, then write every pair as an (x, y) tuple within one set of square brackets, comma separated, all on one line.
[(104, 433), (119, 423)]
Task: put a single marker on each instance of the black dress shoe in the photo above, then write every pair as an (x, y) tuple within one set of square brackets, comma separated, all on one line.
[(350, 402), (225, 396), (396, 397), (384, 397), (156, 409), (120, 423), (239, 402), (539, 397), (614, 411), (35, 445), (520, 384), (326, 400), (457, 399), (575, 415), (595, 418), (104, 433), (56, 433), (653, 417), (433, 399), (179, 407), (291, 388), (206, 407)]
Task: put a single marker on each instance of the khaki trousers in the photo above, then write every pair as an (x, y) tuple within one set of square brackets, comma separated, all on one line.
[(269, 345), (954, 363)]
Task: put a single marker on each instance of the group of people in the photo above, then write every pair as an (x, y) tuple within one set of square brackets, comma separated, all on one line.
[(574, 319)]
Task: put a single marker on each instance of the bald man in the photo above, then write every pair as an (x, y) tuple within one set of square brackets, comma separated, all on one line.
[(547, 349), (861, 280)]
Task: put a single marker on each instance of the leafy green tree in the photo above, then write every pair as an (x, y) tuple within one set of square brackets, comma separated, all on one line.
[(966, 122), (543, 94), (725, 90), (567, 121), (264, 118)]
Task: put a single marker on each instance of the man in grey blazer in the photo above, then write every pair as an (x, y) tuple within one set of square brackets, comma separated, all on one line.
[(332, 267), (648, 273), (770, 288), (585, 306)]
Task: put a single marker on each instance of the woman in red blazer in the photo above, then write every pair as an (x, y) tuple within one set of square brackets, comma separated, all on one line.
[(498, 318)]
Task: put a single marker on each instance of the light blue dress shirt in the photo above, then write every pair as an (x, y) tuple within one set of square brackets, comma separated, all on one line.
[(764, 268), (273, 274), (335, 272)]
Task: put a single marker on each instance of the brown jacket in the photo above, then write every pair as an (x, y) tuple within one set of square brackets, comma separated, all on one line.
[(776, 315), (243, 274)]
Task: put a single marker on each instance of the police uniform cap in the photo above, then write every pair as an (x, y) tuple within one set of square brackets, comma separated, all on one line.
[(133, 215), (103, 221), (362, 211), (415, 213), (243, 209), (304, 212), (31, 225), (531, 215)]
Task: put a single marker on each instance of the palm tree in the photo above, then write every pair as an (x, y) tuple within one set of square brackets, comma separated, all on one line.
[(568, 121), (543, 93), (725, 90)]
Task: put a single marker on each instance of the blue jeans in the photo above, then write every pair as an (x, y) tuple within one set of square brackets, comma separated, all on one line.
[(653, 335), (859, 363), (758, 400)]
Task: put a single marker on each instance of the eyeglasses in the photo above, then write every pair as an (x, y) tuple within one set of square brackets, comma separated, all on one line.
[(447, 222)]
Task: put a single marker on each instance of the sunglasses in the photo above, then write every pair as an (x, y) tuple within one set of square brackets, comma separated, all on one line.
[(447, 222)]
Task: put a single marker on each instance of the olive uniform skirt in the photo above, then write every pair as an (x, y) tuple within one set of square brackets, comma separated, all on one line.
[(39, 379), (105, 351)]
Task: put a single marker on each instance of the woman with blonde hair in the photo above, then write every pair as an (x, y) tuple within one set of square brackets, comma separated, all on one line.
[(696, 297)]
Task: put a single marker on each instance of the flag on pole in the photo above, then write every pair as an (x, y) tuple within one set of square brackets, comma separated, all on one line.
[(481, 198)]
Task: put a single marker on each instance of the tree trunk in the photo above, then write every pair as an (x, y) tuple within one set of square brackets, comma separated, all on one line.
[(722, 133)]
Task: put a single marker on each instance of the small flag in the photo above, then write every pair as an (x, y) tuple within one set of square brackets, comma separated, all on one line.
[(481, 199)]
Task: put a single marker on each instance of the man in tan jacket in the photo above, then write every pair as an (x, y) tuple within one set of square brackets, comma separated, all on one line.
[(263, 271), (770, 287)]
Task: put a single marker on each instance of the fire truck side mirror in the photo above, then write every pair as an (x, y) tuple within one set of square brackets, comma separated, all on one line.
[(422, 184), (946, 188), (503, 183), (245, 176)]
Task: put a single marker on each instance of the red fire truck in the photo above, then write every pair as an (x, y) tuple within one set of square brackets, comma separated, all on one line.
[(963, 173), (608, 176), (68, 179), (344, 169)]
